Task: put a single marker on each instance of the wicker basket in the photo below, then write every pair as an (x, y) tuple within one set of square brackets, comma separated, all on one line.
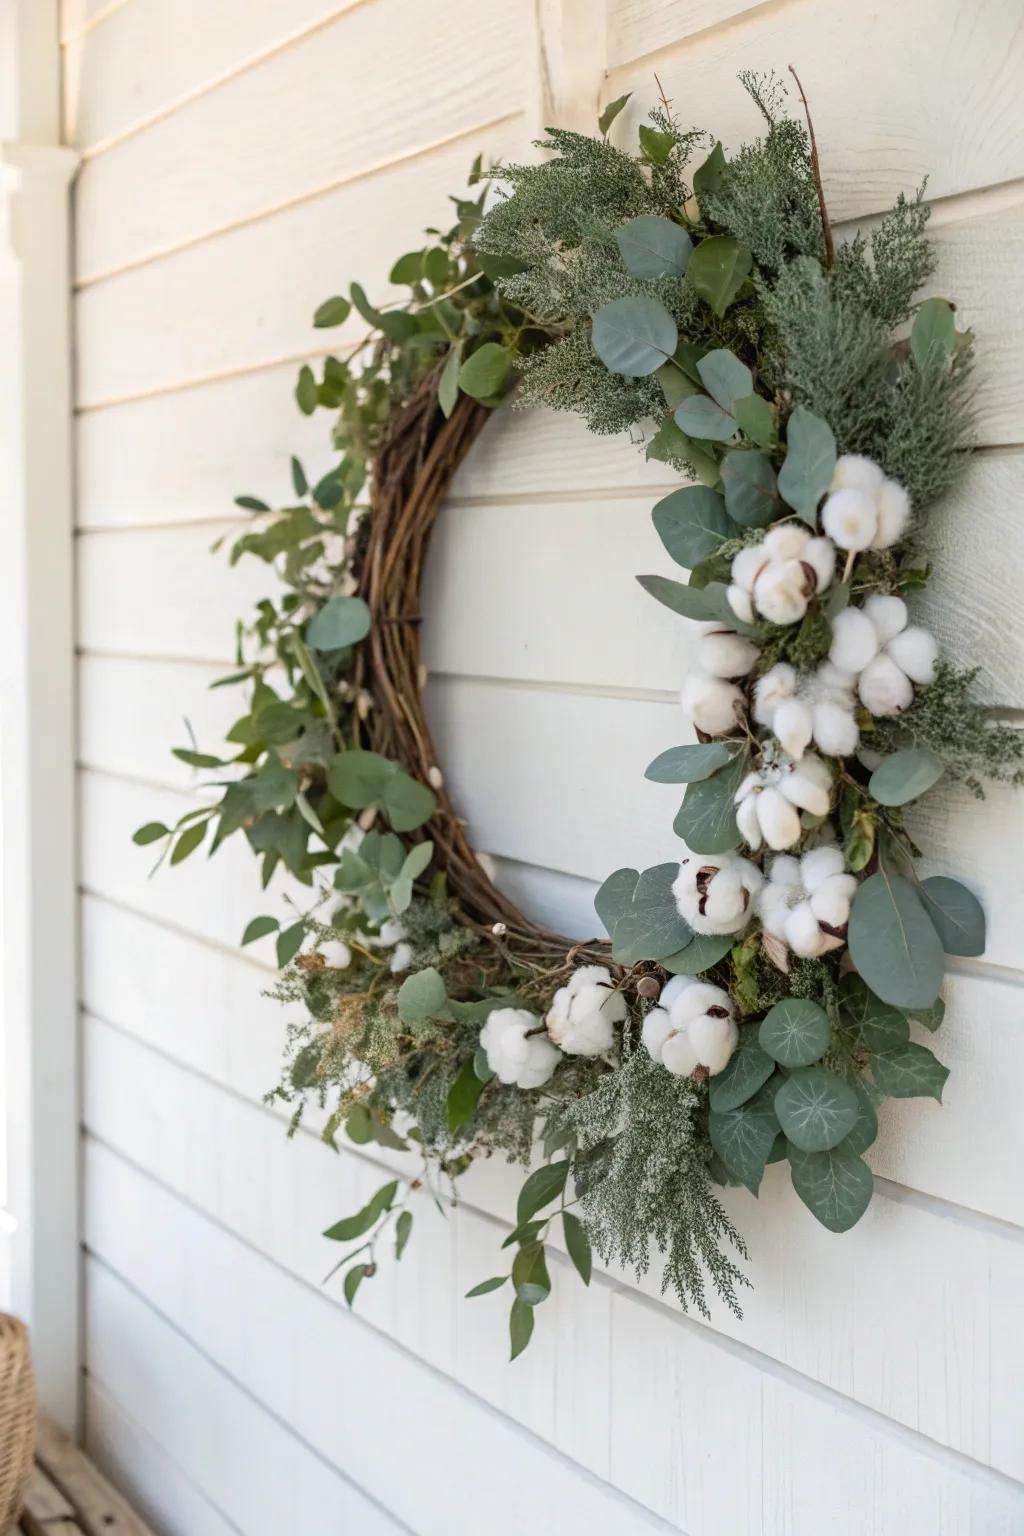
[(17, 1419)]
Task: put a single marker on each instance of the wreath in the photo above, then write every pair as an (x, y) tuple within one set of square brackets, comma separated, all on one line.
[(755, 998)]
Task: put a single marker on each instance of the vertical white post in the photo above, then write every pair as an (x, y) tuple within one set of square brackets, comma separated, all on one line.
[(38, 916), (570, 61)]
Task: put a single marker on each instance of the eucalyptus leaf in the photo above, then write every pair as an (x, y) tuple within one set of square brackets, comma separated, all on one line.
[(486, 371), (258, 928), (486, 1286), (933, 334), (756, 420), (688, 765), (708, 176), (611, 112), (634, 336), (702, 952), (334, 311), (652, 926), (956, 913), (718, 269), (421, 996), (657, 146), (653, 247), (577, 1245), (749, 1069), (341, 621), (751, 487), (795, 1032), (698, 416), (615, 897), (403, 1231), (905, 776), (463, 1095), (354, 1278), (543, 1185), (893, 942), (744, 1137), (706, 820), (809, 464), (152, 832), (909, 1071), (692, 524), (448, 382), (816, 1109), (836, 1185), (351, 1227), (692, 602), (670, 445), (520, 1327), (675, 384), (530, 1275), (725, 378)]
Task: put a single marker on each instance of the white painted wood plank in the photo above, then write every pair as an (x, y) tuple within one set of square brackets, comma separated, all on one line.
[(720, 1446), (150, 54), (881, 129), (241, 1458), (637, 27), (381, 82), (714, 1430), (842, 1311), (245, 299), (397, 1412), (133, 1460)]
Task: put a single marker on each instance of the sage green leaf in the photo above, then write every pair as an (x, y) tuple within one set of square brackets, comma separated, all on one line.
[(876, 1026), (188, 841), (407, 803), (634, 336), (692, 602), (615, 897), (698, 416), (289, 942), (795, 1032), (706, 820), (353, 1280), (655, 145), (933, 334), (725, 378), (407, 270), (463, 1095), (750, 486), (652, 927), (354, 1226), (543, 1185), (520, 1327), (956, 913), (708, 176), (611, 112), (670, 445), (486, 1286), (909, 1071), (486, 371), (688, 765), (251, 504), (865, 1131), (417, 860), (749, 1069), (306, 396), (334, 311), (929, 1018), (152, 832), (577, 1245), (448, 382), (524, 1233), (744, 1137), (816, 1109), (358, 1123), (530, 1275), (905, 775), (358, 778), (836, 1186), (421, 996), (809, 465), (653, 247), (259, 928), (403, 1231), (675, 384), (718, 269), (703, 951), (893, 942), (692, 524), (341, 621), (756, 420)]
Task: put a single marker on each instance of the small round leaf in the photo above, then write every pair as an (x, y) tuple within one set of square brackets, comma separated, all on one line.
[(796, 1032), (816, 1109), (634, 336)]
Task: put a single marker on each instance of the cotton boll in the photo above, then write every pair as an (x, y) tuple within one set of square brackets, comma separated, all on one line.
[(716, 897), (820, 555), (884, 689), (541, 1060), (336, 953), (803, 935), (773, 907), (746, 565), (713, 1040), (748, 822), (584, 1012), (713, 704), (786, 541), (854, 640), (678, 1054), (915, 652), (776, 686), (698, 999), (781, 592), (850, 518), (812, 780), (721, 653), (741, 603), (893, 505), (830, 903), (835, 729), (819, 865), (515, 1054), (657, 1028), (777, 818), (854, 471), (793, 726), (785, 870), (401, 958), (673, 989), (887, 614), (391, 931)]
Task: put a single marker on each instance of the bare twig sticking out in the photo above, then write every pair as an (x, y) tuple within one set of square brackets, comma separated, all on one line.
[(826, 227)]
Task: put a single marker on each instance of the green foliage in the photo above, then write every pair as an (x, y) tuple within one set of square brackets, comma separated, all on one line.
[(947, 719)]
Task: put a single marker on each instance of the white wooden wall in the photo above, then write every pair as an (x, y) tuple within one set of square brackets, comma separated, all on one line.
[(243, 159)]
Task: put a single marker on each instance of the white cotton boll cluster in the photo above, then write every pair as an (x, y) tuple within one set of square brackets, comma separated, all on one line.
[(770, 799), (712, 701), (716, 896), (864, 509), (583, 1013), (336, 954), (806, 902), (778, 577), (401, 958), (884, 654), (799, 709), (517, 1049), (693, 1026)]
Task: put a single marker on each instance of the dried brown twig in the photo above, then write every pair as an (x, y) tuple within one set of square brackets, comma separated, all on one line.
[(826, 226)]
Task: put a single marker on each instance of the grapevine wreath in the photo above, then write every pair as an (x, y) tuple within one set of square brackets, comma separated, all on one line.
[(754, 1003)]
